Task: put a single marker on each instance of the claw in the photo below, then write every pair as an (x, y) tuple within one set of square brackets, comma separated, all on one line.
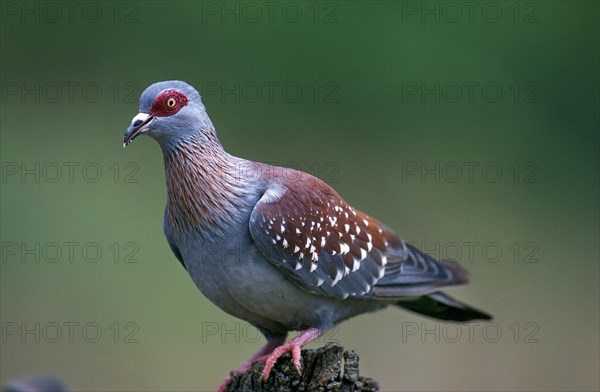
[(290, 347), (294, 347), (297, 358)]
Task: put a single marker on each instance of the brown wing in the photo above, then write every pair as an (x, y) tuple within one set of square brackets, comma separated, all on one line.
[(326, 246), (322, 243)]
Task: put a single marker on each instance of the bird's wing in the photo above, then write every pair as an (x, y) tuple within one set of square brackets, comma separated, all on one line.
[(325, 246)]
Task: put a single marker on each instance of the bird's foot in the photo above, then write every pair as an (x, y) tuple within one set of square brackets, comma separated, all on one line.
[(293, 346)]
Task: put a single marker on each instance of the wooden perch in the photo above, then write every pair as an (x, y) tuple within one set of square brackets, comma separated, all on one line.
[(326, 369)]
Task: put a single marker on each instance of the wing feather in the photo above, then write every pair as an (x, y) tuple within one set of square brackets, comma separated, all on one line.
[(327, 247)]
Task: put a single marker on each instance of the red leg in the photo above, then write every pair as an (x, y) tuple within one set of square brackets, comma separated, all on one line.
[(263, 352), (294, 346)]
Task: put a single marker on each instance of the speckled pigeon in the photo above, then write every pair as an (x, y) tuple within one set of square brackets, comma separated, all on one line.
[(277, 247)]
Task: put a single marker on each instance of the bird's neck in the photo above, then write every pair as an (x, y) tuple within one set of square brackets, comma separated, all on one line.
[(205, 191)]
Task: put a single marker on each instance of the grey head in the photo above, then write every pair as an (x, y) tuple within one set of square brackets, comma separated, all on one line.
[(171, 112)]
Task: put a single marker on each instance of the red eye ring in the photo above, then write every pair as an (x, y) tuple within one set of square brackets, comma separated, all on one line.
[(168, 103)]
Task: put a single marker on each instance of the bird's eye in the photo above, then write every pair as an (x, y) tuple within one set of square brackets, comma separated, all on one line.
[(168, 103)]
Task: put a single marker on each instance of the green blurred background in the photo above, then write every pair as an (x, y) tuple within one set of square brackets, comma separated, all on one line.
[(368, 119)]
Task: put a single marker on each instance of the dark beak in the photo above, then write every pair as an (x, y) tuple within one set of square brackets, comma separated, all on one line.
[(139, 125)]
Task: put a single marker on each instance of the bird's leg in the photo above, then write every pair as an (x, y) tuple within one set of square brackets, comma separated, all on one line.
[(265, 350), (294, 346)]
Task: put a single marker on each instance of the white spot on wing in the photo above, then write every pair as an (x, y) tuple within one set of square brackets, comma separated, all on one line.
[(363, 253), (370, 243), (344, 248)]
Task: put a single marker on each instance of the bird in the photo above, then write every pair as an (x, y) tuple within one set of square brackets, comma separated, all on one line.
[(278, 247)]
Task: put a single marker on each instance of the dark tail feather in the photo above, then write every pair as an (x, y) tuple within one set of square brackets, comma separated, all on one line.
[(439, 305)]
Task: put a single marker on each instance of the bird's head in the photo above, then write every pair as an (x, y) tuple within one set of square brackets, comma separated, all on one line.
[(170, 112)]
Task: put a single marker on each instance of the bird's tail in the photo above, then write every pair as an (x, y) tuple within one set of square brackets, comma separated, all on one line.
[(441, 306)]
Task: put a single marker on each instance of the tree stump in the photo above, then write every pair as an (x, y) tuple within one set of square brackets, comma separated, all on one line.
[(326, 369)]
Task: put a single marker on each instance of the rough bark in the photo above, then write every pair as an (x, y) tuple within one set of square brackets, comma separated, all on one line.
[(326, 369)]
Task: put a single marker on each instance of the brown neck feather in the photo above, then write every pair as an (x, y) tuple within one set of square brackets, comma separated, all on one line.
[(204, 189)]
